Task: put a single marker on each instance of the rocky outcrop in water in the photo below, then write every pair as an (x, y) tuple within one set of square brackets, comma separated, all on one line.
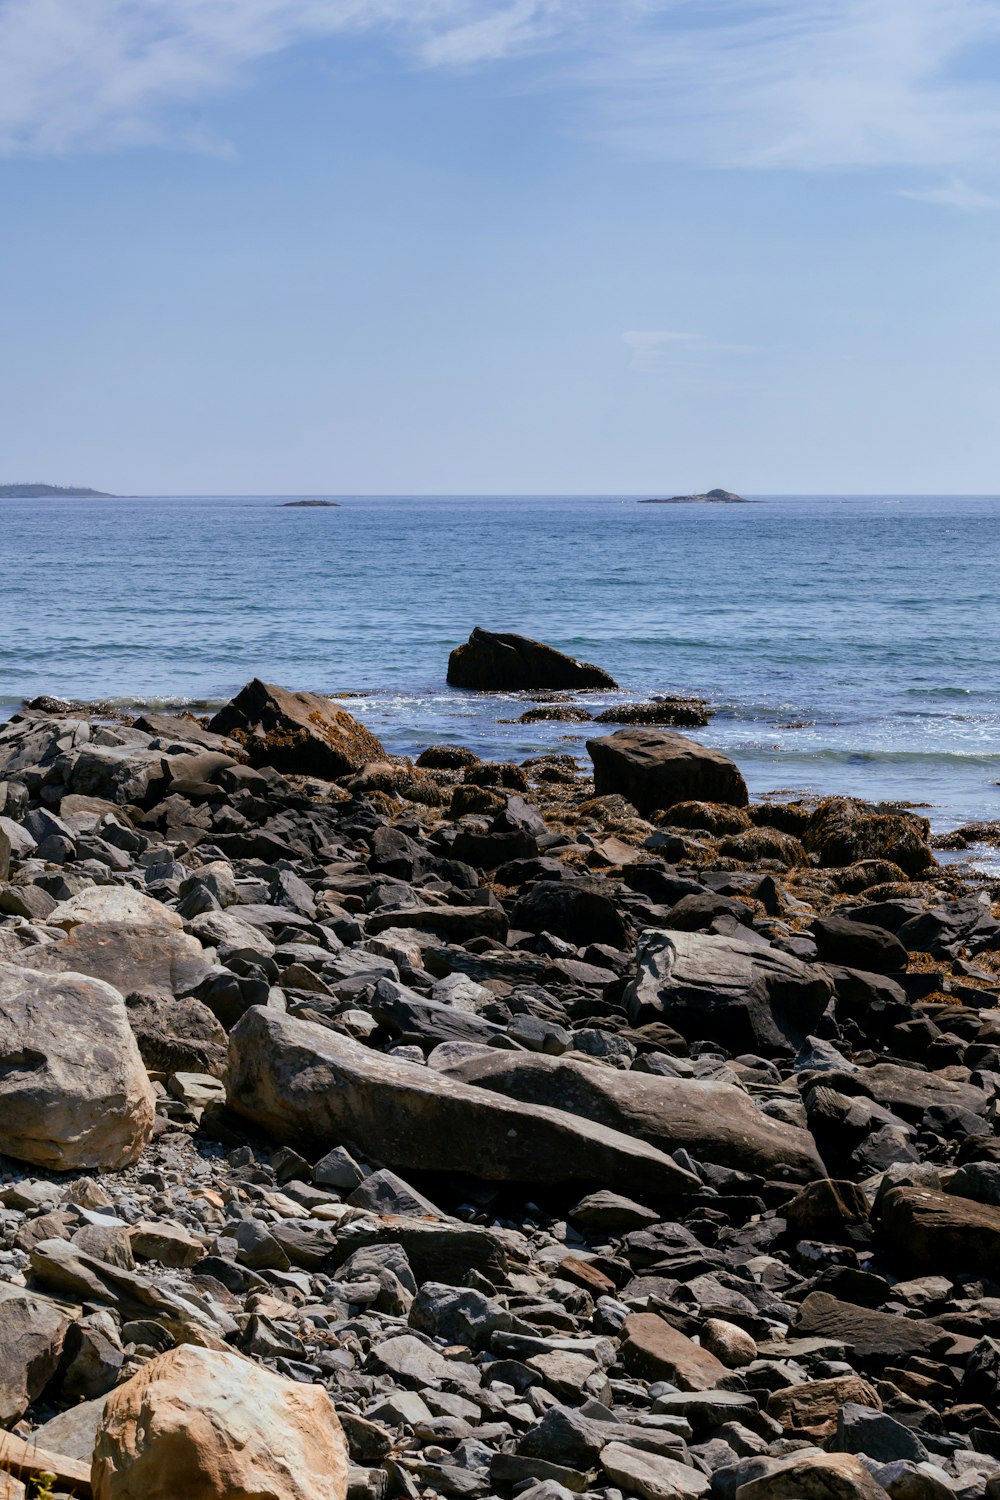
[(366, 1143), (494, 663)]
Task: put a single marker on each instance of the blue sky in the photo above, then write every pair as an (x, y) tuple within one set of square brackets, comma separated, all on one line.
[(387, 246)]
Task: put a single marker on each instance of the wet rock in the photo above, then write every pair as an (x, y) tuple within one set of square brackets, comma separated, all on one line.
[(492, 662), (655, 769), (843, 831)]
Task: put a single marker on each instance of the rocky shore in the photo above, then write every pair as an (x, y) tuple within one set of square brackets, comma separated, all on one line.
[(379, 1128)]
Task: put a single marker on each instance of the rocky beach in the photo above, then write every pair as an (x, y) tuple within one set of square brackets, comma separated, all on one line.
[(377, 1127)]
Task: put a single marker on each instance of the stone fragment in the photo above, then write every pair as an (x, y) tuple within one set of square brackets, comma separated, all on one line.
[(924, 1231), (654, 1350), (31, 1340), (651, 1476), (811, 1407)]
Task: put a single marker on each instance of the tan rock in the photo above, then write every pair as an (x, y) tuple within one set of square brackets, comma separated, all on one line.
[(301, 733), (811, 1408), (729, 1343), (653, 1350), (114, 903), (815, 1476), (211, 1426)]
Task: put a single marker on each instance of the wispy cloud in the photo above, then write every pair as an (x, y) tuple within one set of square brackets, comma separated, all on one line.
[(653, 351), (794, 84), (953, 194)]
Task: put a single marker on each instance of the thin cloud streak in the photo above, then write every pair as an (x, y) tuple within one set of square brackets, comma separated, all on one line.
[(654, 351), (761, 84), (953, 194)]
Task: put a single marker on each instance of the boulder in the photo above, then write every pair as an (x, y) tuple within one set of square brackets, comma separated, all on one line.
[(114, 904), (810, 1408), (73, 1091), (206, 1424), (871, 1334), (655, 769), (308, 1086), (301, 733), (495, 663), (815, 1476), (32, 1330), (651, 1476), (748, 997), (152, 960), (843, 831), (31, 742), (714, 1121), (578, 911), (924, 1231)]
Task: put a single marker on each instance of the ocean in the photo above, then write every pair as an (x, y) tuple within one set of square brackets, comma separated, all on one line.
[(847, 644)]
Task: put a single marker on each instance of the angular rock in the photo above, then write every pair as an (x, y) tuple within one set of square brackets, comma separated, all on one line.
[(300, 733), (869, 1333), (31, 1339), (924, 1231), (652, 1476), (843, 831), (811, 1407), (815, 1476), (115, 904), (655, 769), (710, 988), (491, 662), (73, 1090), (654, 1350), (204, 1424), (307, 1085), (714, 1121)]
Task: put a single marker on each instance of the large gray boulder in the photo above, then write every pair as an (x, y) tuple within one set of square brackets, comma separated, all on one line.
[(715, 1122), (301, 733), (31, 1339), (31, 742), (310, 1087), (490, 662), (74, 1094), (654, 768), (744, 996)]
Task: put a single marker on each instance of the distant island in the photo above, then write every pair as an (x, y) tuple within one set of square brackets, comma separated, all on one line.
[(711, 497), (50, 492), (308, 504)]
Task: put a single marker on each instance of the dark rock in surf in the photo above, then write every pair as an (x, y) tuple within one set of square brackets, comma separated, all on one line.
[(655, 769), (490, 662)]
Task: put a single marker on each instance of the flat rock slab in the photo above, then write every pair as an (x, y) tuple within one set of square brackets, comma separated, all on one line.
[(133, 957), (653, 1350), (716, 1122), (869, 1333), (307, 1085), (651, 1476), (114, 903), (815, 1476), (925, 1231), (810, 1409)]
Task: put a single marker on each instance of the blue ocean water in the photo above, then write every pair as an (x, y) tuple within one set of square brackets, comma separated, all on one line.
[(848, 644)]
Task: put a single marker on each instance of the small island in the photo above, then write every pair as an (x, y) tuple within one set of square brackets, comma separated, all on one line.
[(309, 504), (50, 492), (711, 497)]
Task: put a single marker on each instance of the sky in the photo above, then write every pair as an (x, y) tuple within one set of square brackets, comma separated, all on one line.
[(500, 246)]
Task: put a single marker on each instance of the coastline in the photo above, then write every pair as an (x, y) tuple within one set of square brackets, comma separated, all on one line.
[(442, 1069)]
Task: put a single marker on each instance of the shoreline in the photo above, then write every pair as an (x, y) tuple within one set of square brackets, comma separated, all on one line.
[(498, 1109)]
